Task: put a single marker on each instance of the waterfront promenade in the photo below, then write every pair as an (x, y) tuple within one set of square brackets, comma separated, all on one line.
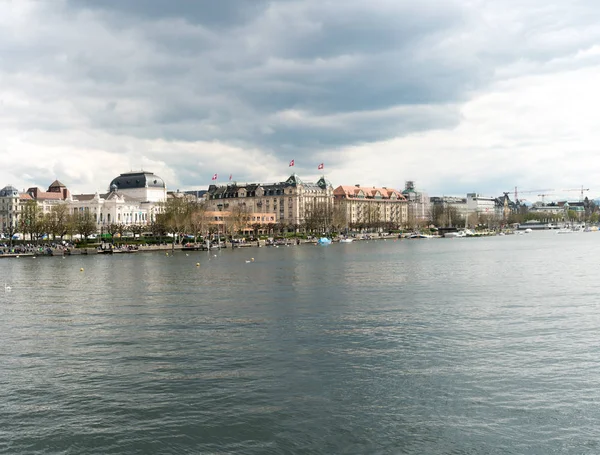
[(128, 249)]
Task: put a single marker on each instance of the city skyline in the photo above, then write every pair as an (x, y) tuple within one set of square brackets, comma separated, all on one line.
[(460, 97), (525, 196)]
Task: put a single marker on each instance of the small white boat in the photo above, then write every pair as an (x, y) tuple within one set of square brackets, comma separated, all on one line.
[(418, 235), (453, 235), (346, 240), (565, 231)]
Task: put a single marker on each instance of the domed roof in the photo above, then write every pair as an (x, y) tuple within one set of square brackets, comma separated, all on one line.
[(9, 190), (133, 180)]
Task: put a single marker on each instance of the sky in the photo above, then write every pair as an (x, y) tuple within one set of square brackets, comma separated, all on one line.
[(458, 95)]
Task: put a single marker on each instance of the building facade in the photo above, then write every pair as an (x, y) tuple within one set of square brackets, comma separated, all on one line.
[(291, 201), (482, 205), (134, 198), (9, 210), (419, 206), (371, 206)]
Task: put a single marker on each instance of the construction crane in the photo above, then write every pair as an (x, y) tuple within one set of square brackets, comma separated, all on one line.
[(529, 191), (581, 190), (543, 195)]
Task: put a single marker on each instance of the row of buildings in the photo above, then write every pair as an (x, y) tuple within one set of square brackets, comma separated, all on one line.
[(137, 197)]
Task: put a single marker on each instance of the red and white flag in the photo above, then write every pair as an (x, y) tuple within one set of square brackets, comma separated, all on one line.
[(320, 166), (291, 163), (214, 177), (230, 176)]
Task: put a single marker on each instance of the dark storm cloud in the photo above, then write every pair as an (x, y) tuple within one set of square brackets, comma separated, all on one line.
[(223, 70), (209, 13), (288, 77)]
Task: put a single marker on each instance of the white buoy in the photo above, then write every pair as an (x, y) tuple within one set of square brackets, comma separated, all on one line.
[(7, 288)]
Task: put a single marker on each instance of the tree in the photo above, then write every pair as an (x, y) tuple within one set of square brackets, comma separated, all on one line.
[(31, 220), (112, 229), (318, 216), (198, 219), (59, 221), (237, 219), (85, 224), (176, 216), (136, 229), (158, 228), (256, 227), (339, 218)]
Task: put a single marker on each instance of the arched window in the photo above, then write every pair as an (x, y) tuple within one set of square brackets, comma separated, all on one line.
[(108, 217)]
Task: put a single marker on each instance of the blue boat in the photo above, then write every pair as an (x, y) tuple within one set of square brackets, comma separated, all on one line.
[(324, 241)]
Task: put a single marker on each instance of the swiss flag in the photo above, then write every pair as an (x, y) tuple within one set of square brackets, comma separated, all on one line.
[(291, 163), (320, 166), (214, 177)]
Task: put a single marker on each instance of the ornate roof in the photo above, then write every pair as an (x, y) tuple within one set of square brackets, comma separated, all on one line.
[(132, 180), (8, 191), (57, 184)]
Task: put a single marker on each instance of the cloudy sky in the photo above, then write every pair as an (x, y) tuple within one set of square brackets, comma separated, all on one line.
[(458, 95)]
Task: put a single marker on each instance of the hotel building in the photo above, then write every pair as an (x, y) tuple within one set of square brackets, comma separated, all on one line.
[(290, 201), (368, 206)]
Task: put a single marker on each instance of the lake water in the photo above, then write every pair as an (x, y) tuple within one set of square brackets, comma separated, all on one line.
[(453, 346)]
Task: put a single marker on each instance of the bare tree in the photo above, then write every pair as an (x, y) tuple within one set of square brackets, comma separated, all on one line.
[(238, 219), (198, 219), (318, 217), (176, 216), (339, 219)]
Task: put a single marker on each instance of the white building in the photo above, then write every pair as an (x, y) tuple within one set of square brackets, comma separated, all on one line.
[(9, 209), (133, 198), (419, 206), (481, 205)]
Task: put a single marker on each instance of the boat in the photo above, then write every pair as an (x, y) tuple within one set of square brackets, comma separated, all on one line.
[(418, 235), (565, 230), (454, 235), (324, 241), (346, 240)]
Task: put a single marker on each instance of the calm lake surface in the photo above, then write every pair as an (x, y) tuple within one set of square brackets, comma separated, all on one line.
[(439, 346)]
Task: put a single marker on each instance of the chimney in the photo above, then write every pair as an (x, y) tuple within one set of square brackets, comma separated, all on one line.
[(357, 185)]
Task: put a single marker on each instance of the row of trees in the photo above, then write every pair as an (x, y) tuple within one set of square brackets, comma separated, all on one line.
[(57, 223), (181, 216)]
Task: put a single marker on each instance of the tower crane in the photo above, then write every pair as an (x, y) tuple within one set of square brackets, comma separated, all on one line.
[(543, 195), (581, 190), (545, 190)]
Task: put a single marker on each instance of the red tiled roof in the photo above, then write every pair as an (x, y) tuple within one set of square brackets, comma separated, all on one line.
[(353, 191)]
